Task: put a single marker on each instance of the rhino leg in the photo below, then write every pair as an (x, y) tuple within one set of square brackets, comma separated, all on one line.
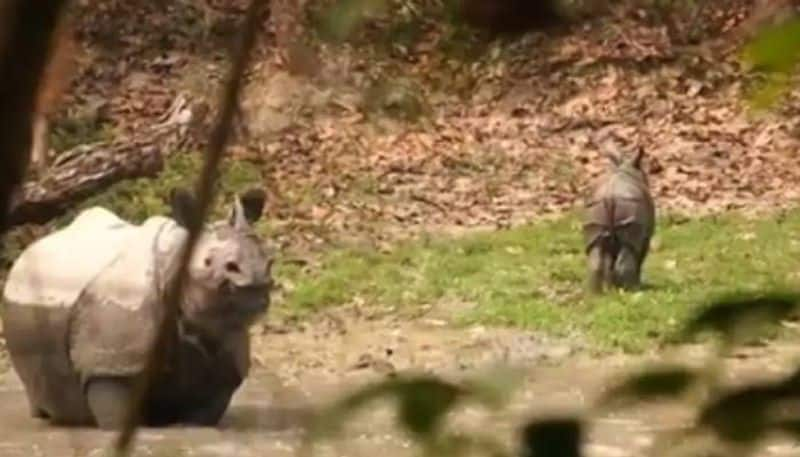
[(108, 399), (600, 263), (211, 413), (35, 410), (645, 251), (595, 267), (627, 269)]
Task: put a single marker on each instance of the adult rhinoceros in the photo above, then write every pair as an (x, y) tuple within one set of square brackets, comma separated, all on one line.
[(82, 307)]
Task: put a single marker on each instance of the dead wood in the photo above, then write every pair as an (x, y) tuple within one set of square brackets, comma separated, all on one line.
[(89, 169)]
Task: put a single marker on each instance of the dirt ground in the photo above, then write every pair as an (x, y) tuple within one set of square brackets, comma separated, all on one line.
[(298, 366)]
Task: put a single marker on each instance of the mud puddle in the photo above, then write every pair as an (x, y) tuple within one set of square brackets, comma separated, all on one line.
[(298, 367)]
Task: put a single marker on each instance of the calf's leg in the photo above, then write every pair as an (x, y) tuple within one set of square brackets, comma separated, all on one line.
[(626, 269), (598, 266)]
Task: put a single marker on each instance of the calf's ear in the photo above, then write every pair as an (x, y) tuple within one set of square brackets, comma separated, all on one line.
[(637, 159), (183, 207), (247, 208), (613, 158)]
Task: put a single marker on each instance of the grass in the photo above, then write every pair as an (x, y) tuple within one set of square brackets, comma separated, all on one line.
[(533, 276), (137, 199), (530, 276)]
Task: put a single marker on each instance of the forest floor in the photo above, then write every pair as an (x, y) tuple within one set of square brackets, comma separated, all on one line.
[(421, 202)]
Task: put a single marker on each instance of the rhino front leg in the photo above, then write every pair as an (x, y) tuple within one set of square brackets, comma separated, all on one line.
[(35, 411), (108, 399), (210, 413)]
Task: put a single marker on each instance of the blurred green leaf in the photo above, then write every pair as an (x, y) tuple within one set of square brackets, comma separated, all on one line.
[(748, 413), (423, 401), (556, 437), (423, 404), (775, 48), (330, 420), (740, 416), (732, 315), (653, 383)]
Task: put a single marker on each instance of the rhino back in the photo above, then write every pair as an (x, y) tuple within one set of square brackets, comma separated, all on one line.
[(115, 318), (633, 200), (619, 197), (53, 270)]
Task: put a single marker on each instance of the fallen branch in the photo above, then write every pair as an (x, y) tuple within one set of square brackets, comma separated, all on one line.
[(92, 169), (89, 169)]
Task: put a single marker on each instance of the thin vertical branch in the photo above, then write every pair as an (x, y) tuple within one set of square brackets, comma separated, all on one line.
[(27, 29), (204, 189)]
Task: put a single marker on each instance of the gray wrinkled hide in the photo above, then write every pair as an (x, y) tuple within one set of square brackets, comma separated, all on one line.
[(84, 302), (619, 222)]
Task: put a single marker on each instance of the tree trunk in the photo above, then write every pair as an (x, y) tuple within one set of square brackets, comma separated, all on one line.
[(288, 23), (26, 31)]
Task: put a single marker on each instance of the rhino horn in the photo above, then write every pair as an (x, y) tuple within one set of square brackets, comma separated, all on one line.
[(247, 208), (183, 206)]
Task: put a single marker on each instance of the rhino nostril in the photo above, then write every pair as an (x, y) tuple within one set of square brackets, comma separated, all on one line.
[(232, 267)]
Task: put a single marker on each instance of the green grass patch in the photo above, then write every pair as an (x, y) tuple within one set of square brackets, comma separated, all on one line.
[(533, 276), (137, 199)]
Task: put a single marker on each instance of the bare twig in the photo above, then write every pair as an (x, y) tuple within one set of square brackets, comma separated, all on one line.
[(26, 31), (204, 190)]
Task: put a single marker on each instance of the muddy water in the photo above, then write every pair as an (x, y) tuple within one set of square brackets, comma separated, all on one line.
[(253, 426), (298, 368), (266, 419)]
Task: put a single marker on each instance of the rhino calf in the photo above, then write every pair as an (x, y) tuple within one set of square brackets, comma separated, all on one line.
[(619, 222), (83, 304)]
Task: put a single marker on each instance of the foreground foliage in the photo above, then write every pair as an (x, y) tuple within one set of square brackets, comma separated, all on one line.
[(740, 415)]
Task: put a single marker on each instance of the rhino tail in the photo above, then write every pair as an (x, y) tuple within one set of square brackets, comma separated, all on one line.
[(603, 231)]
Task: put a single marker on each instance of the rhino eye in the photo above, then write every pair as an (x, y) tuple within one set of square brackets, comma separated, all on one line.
[(232, 267)]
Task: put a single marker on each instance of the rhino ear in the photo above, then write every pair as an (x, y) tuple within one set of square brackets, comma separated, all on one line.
[(637, 159), (613, 158), (183, 206), (247, 208)]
